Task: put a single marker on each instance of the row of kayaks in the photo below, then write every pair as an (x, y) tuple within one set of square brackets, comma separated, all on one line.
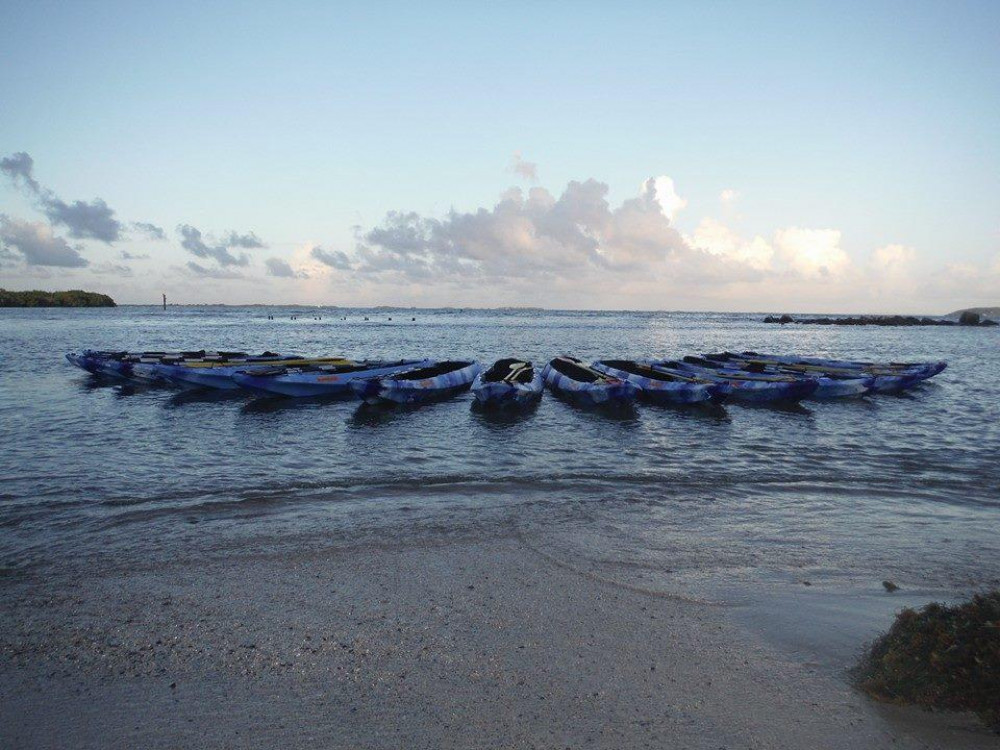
[(708, 378)]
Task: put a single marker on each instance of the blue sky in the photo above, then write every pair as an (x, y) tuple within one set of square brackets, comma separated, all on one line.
[(306, 124)]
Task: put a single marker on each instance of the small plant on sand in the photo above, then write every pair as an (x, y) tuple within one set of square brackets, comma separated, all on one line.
[(940, 657)]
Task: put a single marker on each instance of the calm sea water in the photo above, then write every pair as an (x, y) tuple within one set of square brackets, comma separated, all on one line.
[(903, 487)]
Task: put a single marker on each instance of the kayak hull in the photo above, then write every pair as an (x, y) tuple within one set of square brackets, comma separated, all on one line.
[(656, 391), (502, 394), (393, 390), (295, 383), (747, 389), (618, 392)]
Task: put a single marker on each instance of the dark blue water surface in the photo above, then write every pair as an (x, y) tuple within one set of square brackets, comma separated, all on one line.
[(116, 474)]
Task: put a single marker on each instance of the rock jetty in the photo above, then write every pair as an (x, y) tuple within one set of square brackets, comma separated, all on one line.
[(966, 319)]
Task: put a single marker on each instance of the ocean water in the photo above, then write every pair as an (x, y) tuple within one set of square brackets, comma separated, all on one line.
[(684, 500)]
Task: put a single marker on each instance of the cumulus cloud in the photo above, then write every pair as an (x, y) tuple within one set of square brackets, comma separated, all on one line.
[(151, 231), (282, 269), (196, 269), (812, 253), (249, 241), (539, 236), (94, 220), (893, 259), (729, 196), (666, 195), (37, 244), (20, 168), (526, 169), (332, 258), (717, 238), (194, 242)]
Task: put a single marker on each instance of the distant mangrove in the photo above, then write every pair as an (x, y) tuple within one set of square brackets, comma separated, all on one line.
[(71, 298)]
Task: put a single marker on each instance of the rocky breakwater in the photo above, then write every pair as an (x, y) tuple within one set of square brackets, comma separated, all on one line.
[(967, 319)]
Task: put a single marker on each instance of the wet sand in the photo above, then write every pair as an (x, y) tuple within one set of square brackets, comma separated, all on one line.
[(463, 642)]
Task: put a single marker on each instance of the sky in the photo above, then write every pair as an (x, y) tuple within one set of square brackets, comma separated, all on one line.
[(805, 157)]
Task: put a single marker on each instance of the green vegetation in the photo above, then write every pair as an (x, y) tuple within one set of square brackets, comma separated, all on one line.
[(72, 298), (986, 312), (940, 657)]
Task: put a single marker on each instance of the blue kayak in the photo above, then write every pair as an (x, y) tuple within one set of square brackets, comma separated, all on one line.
[(888, 377), (434, 382), (318, 380), (587, 386), (140, 365), (219, 373), (509, 382), (828, 385), (746, 387), (660, 387)]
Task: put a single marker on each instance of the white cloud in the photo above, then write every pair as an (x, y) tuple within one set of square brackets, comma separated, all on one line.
[(666, 195), (37, 244), (893, 258), (526, 169), (729, 196), (717, 238), (812, 253)]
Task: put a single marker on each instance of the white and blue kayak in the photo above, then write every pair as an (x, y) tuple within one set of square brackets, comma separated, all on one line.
[(313, 381), (584, 385), (920, 370), (436, 381), (829, 385), (660, 387), (140, 365), (744, 386), (219, 373), (888, 377), (509, 382)]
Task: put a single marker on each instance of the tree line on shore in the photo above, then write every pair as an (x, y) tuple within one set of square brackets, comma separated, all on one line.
[(71, 298)]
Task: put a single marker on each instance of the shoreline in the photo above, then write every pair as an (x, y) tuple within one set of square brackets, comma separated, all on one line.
[(474, 640)]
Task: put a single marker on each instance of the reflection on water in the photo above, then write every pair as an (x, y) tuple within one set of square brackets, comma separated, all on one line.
[(906, 486)]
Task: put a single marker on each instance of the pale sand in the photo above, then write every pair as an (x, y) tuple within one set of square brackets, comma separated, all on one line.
[(463, 643)]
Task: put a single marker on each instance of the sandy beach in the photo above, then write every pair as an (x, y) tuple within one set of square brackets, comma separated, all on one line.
[(463, 641)]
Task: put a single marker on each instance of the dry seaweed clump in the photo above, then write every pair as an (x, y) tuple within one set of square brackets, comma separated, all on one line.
[(940, 657)]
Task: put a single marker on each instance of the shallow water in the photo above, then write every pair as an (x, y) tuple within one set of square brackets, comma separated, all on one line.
[(681, 499)]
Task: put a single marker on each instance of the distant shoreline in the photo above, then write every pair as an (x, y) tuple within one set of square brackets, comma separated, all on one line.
[(984, 311), (70, 298)]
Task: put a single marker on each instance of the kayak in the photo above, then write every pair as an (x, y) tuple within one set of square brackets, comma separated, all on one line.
[(657, 386), (318, 380), (219, 374), (746, 387), (587, 386), (828, 385), (434, 382), (920, 370), (124, 364), (509, 382), (889, 377)]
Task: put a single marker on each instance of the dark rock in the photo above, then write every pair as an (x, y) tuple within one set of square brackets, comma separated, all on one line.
[(989, 322), (877, 320), (890, 586), (968, 318)]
